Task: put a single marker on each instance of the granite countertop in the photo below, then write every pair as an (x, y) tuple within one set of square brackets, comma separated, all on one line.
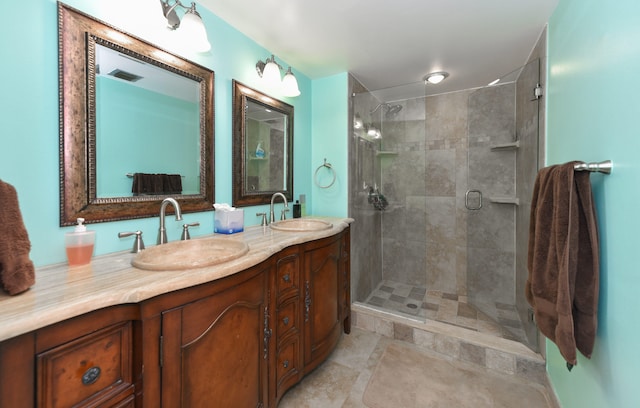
[(62, 293)]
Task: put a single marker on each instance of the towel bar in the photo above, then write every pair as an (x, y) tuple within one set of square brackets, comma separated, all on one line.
[(601, 167)]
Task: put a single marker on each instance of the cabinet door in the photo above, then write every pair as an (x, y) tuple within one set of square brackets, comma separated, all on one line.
[(215, 350), (322, 301)]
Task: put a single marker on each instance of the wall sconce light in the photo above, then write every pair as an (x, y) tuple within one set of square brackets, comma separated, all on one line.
[(192, 28), (373, 132), (357, 122), (435, 77), (269, 71)]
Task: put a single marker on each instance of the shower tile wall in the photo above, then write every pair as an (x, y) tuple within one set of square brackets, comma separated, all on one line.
[(404, 245), (491, 230), (424, 229), (441, 146)]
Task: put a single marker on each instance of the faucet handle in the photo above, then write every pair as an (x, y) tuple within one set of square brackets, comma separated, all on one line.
[(264, 218), (283, 215), (138, 244), (185, 230)]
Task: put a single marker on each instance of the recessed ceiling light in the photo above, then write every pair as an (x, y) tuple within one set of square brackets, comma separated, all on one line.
[(435, 77)]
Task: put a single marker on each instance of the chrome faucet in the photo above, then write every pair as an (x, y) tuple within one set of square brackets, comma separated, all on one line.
[(162, 232), (272, 216)]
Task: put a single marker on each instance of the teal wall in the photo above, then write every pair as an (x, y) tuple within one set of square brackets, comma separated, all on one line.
[(29, 116), (593, 113), (330, 125), (132, 121)]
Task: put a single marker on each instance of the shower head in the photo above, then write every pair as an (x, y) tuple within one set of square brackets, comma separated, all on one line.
[(388, 109), (393, 109)]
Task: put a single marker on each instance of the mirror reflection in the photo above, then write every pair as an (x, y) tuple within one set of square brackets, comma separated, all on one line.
[(263, 137), (265, 146), (143, 108)]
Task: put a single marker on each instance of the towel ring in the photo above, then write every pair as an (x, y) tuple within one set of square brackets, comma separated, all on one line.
[(315, 175)]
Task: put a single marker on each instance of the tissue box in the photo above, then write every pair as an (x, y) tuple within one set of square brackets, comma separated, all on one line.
[(228, 222)]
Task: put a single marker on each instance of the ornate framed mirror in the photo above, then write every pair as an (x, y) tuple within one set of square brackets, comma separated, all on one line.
[(130, 114), (262, 147)]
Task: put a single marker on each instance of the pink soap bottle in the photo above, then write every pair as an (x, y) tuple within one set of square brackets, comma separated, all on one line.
[(79, 244)]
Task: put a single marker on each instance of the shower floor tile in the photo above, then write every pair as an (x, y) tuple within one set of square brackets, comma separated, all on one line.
[(417, 301)]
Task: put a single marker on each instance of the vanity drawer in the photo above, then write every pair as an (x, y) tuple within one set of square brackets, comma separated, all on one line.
[(287, 317), (288, 275), (87, 371), (288, 368)]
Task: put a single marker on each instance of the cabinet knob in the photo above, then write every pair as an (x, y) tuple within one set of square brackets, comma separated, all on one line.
[(285, 364), (91, 375), (286, 278), (285, 321)]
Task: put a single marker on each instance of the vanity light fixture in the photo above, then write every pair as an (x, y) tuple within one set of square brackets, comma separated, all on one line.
[(435, 77), (269, 71), (191, 27)]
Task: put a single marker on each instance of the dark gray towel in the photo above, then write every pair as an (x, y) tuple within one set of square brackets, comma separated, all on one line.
[(156, 184)]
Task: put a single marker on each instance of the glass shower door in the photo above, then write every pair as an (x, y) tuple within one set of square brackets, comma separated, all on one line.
[(502, 164)]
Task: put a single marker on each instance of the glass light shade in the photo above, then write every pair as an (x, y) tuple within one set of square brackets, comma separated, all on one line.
[(193, 32), (374, 133), (290, 84), (435, 77), (271, 75)]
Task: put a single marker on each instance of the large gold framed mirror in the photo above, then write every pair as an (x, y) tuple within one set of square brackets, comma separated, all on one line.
[(262, 147), (132, 117)]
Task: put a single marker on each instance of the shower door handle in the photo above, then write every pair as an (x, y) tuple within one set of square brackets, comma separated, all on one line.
[(466, 199)]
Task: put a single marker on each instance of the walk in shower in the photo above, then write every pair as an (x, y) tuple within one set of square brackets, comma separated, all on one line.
[(439, 189)]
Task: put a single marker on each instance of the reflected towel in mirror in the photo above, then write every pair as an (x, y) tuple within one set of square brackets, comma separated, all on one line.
[(156, 184)]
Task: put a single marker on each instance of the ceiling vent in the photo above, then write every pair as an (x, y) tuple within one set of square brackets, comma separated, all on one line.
[(124, 75)]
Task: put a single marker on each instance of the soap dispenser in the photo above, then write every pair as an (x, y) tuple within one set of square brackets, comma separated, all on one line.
[(259, 151), (297, 210), (79, 244)]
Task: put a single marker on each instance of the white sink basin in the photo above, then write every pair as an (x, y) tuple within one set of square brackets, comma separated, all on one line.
[(197, 253), (301, 225)]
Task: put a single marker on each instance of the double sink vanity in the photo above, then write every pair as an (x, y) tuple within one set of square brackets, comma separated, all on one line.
[(218, 321), (223, 320)]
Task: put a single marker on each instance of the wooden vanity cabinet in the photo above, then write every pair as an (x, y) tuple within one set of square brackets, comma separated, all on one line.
[(288, 362), (87, 361), (239, 341), (215, 350), (244, 340), (323, 299)]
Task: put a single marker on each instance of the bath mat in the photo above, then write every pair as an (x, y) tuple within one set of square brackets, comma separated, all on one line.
[(408, 378)]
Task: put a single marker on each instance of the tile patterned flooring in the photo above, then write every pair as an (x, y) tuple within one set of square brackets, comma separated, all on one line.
[(438, 324), (418, 302), (341, 381)]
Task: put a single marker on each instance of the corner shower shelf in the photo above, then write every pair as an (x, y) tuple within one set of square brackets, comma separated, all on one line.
[(505, 200), (506, 146), (386, 153)]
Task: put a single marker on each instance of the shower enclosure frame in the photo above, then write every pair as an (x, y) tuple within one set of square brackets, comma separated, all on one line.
[(366, 270)]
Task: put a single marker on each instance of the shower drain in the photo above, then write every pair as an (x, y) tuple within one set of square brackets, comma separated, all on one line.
[(412, 306)]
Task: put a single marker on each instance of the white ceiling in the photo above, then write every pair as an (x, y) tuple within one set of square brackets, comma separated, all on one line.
[(386, 43)]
